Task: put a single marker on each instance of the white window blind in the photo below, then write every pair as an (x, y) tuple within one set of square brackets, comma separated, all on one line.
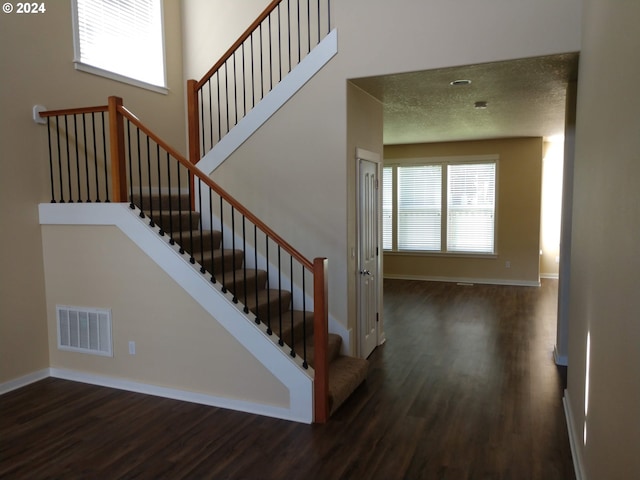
[(471, 207), (387, 208), (123, 37), (419, 207)]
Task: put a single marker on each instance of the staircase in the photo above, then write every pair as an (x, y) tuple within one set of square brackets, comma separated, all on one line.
[(251, 285)]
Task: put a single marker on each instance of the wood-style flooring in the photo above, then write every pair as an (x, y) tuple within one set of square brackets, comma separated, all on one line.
[(464, 388)]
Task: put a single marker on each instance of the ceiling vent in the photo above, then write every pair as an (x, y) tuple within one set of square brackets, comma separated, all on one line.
[(85, 330)]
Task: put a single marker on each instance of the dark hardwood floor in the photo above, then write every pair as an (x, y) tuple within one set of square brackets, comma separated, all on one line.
[(465, 388)]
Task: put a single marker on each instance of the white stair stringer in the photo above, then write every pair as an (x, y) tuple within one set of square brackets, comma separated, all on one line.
[(271, 103), (253, 337)]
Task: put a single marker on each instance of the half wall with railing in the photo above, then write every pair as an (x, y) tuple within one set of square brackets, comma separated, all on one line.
[(106, 154)]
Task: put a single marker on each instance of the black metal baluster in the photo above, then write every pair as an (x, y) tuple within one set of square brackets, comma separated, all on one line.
[(180, 212), (171, 239), (244, 263), (161, 232), (223, 270), (233, 255), (75, 136), (244, 84), (66, 131), (261, 66), (95, 153), (139, 172), (279, 47), (289, 31), (328, 17), (235, 90), (308, 26), (255, 259), (253, 78), (151, 221), (192, 260), (219, 107), (131, 203), (269, 331), (213, 257), (319, 27), (59, 159), (53, 194), (202, 135), (226, 96), (210, 119), (281, 341), (299, 34), (86, 155), (291, 317), (104, 151), (304, 321), (202, 267), (270, 54)]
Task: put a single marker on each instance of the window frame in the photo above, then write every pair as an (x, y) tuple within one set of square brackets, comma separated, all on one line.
[(443, 162), (119, 77)]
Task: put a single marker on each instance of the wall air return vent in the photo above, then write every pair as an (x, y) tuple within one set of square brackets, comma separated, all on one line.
[(86, 330)]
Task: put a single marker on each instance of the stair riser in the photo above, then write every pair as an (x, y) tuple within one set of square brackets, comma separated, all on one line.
[(174, 223), (165, 201), (250, 287), (226, 261)]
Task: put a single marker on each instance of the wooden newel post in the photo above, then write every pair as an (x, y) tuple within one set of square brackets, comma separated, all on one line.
[(193, 121), (116, 142), (321, 341)]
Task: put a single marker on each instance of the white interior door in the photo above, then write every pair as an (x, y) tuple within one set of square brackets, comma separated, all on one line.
[(368, 251)]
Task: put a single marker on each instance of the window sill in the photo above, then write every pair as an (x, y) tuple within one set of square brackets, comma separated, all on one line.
[(119, 78), (420, 253)]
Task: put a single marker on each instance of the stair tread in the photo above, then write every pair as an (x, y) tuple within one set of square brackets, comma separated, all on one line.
[(345, 375)]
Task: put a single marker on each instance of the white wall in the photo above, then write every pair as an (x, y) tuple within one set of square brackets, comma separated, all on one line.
[(605, 263)]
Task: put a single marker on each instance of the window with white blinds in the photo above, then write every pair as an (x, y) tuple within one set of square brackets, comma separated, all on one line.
[(387, 208), (471, 207), (121, 39), (446, 207), (419, 207)]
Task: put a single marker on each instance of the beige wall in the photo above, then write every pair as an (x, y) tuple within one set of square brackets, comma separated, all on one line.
[(605, 263), (550, 216), (294, 171), (36, 54), (518, 215), (178, 344), (364, 130)]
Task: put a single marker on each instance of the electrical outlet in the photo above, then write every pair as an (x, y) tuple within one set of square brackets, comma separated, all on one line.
[(132, 348), (507, 264)]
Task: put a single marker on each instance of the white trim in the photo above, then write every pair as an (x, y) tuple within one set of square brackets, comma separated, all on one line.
[(550, 276), (173, 393), (23, 381), (85, 67), (482, 281), (271, 103), (219, 305), (573, 441), (562, 360)]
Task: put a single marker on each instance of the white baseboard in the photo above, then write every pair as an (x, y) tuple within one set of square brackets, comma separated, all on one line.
[(551, 276), (176, 394), (573, 441), (480, 281), (23, 381)]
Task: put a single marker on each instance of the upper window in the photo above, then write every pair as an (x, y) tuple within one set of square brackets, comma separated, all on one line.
[(121, 39), (446, 207)]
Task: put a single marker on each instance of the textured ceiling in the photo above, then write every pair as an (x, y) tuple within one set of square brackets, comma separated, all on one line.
[(524, 98)]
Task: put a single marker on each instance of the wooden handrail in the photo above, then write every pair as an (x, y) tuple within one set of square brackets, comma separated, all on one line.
[(216, 188), (74, 111), (247, 33)]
